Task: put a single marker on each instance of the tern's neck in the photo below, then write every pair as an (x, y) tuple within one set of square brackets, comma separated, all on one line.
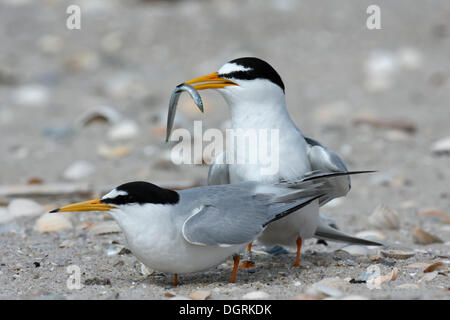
[(264, 114)]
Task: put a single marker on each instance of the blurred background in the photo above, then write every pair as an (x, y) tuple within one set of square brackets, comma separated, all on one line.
[(90, 105), (82, 111)]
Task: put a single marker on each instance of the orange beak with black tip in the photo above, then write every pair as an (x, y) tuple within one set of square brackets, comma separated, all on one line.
[(210, 81), (91, 205)]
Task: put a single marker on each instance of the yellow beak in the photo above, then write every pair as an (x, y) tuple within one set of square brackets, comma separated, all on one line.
[(210, 81), (91, 205)]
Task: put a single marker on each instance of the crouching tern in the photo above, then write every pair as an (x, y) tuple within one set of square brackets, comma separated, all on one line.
[(255, 95), (195, 229)]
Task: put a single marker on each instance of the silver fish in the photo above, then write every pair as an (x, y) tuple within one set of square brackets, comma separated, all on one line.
[(174, 101)]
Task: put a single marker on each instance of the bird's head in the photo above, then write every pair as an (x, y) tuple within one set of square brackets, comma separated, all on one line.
[(125, 197), (244, 80)]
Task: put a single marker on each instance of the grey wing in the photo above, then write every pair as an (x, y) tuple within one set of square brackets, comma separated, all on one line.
[(237, 215), (218, 171), (323, 159), (214, 226)]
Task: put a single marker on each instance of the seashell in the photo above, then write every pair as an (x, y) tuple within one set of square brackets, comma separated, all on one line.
[(104, 228), (200, 295), (376, 282), (114, 250), (50, 222), (384, 217), (441, 146), (113, 152), (123, 130), (256, 295), (328, 287), (380, 68), (78, 170), (397, 253), (422, 237), (437, 266), (99, 114), (169, 294), (436, 214), (144, 270), (24, 207)]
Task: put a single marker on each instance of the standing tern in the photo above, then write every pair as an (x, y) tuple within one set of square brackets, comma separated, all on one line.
[(195, 229), (255, 95)]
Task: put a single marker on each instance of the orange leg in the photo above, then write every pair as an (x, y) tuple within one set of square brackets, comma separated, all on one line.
[(247, 262), (236, 259), (299, 246), (175, 279)]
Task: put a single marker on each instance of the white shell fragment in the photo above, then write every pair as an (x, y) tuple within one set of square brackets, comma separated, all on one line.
[(408, 286), (256, 295), (144, 270), (384, 217), (123, 130), (99, 114), (78, 170), (422, 237), (376, 282), (24, 207), (441, 146), (200, 295), (397, 253), (50, 222), (31, 96), (328, 287)]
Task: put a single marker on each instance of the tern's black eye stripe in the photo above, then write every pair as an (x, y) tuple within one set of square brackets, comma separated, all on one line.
[(257, 69), (141, 192)]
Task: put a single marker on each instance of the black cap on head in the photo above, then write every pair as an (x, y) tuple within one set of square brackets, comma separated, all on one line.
[(258, 69), (142, 192)]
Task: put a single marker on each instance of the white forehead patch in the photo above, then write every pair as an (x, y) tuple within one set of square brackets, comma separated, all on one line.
[(232, 67), (114, 193)]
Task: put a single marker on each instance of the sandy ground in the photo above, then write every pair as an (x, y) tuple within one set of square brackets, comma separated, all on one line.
[(130, 55)]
